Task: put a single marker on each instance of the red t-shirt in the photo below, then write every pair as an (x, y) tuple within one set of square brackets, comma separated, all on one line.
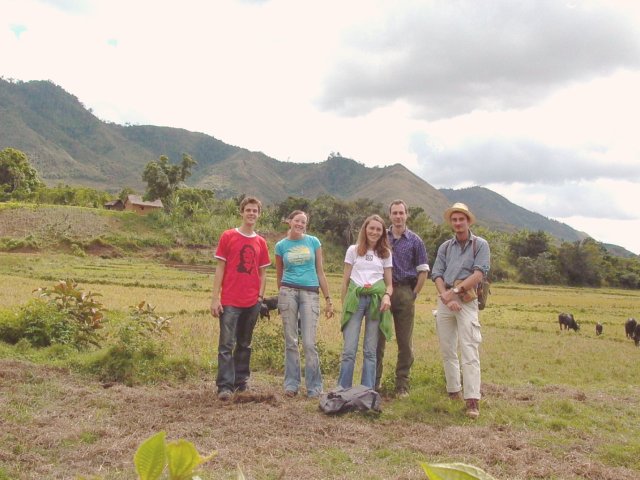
[(244, 256)]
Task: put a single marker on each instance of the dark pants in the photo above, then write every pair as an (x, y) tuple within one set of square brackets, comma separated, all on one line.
[(403, 310), (234, 346)]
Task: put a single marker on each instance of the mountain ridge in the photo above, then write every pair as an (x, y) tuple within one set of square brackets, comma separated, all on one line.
[(66, 143)]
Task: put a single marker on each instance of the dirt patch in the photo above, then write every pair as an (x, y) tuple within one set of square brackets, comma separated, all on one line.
[(58, 425), (52, 222)]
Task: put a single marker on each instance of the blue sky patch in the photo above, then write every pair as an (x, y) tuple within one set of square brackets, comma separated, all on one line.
[(18, 30)]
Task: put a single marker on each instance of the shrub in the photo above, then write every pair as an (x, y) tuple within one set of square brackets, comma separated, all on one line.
[(10, 328), (138, 355), (10, 244), (174, 256), (329, 359), (80, 307), (40, 323), (267, 350)]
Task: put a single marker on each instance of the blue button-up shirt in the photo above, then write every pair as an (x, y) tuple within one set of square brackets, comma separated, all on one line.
[(456, 261), (409, 255)]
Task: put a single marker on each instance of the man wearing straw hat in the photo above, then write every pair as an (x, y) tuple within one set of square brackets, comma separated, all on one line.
[(461, 263)]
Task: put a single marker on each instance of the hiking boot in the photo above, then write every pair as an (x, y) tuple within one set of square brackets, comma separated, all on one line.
[(455, 395), (402, 393), (225, 395), (290, 393), (473, 408)]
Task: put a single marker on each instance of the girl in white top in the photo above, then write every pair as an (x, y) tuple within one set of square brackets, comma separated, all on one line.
[(366, 292)]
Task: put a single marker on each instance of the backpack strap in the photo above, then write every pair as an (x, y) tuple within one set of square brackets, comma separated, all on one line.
[(473, 243), (446, 251)]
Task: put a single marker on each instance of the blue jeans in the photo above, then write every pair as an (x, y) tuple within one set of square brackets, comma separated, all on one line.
[(234, 346), (297, 304), (351, 334)]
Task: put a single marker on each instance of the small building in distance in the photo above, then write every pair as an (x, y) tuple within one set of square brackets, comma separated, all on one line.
[(114, 205), (135, 203)]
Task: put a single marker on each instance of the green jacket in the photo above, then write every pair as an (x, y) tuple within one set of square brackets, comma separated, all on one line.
[(352, 300)]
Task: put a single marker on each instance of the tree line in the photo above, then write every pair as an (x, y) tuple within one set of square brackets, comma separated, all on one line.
[(532, 257)]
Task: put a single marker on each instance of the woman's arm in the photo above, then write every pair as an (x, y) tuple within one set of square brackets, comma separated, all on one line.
[(324, 286), (346, 277), (263, 283), (388, 282), (279, 270)]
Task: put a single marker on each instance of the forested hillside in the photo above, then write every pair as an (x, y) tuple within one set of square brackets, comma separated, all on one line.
[(67, 144)]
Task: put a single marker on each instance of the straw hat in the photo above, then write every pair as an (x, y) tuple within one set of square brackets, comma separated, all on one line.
[(462, 208)]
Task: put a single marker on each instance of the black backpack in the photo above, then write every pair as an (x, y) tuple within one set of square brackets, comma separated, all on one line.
[(360, 398)]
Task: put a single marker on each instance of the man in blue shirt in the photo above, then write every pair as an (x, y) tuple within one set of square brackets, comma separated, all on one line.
[(410, 268), (461, 263)]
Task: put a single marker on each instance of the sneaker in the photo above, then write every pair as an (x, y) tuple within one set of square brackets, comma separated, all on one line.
[(290, 393), (224, 395), (455, 395), (473, 408)]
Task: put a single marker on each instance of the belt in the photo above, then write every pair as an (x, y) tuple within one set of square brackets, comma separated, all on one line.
[(301, 287), (410, 282)]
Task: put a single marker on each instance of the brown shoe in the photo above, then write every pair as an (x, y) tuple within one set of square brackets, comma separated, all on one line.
[(402, 393), (455, 395), (473, 408)]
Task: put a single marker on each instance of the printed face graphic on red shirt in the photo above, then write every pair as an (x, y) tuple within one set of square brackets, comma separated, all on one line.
[(247, 262)]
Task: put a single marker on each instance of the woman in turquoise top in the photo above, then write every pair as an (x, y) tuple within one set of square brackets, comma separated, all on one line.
[(366, 293), (300, 276)]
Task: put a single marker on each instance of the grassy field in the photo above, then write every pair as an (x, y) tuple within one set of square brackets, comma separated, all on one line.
[(556, 404)]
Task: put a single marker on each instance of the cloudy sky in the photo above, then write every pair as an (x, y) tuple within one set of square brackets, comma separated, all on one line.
[(537, 100)]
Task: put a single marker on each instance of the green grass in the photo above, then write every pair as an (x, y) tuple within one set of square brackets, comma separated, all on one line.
[(569, 389)]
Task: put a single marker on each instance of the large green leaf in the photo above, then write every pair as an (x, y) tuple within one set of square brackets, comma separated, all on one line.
[(454, 471), (151, 457), (183, 459)]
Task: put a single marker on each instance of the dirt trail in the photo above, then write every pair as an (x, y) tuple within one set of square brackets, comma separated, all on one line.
[(57, 425)]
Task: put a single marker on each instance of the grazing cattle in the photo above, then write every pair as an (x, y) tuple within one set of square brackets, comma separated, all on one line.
[(567, 322), (598, 329), (636, 335), (268, 304), (630, 326)]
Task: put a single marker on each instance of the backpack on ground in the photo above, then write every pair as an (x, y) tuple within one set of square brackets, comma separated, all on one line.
[(341, 400)]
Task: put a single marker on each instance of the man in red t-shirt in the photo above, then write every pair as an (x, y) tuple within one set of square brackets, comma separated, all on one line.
[(238, 290)]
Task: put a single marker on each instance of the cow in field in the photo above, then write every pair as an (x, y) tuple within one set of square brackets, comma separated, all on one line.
[(268, 304), (636, 335), (598, 329), (567, 322), (630, 326)]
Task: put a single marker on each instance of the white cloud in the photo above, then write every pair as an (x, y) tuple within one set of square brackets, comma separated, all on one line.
[(450, 58), (543, 93)]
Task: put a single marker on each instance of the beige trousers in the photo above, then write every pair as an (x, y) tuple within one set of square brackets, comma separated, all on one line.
[(460, 330)]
